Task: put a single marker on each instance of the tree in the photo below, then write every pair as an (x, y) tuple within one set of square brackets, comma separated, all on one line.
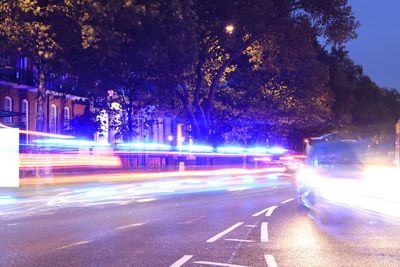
[(129, 42), (343, 75), (227, 30), (26, 28), (362, 109)]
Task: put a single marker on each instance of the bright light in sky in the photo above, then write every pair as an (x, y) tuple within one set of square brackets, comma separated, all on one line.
[(229, 28)]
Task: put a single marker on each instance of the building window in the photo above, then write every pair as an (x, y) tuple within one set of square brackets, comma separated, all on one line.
[(53, 118), (25, 110), (67, 118), (8, 107)]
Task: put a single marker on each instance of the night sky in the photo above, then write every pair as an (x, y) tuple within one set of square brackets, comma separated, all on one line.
[(377, 47)]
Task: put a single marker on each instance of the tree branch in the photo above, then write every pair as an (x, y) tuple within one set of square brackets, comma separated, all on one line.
[(220, 73)]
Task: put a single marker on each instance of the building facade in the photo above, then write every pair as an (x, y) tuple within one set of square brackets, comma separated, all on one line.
[(18, 90), (18, 107)]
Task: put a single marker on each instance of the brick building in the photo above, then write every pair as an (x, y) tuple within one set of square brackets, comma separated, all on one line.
[(18, 89)]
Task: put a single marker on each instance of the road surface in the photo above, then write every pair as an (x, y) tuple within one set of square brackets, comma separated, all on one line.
[(241, 227)]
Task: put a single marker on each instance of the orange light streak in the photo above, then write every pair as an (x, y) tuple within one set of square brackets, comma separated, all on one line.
[(67, 160), (129, 176)]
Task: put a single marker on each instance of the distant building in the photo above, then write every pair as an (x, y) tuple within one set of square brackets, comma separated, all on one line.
[(165, 128)]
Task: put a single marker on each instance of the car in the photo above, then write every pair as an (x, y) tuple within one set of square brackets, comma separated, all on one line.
[(329, 169)]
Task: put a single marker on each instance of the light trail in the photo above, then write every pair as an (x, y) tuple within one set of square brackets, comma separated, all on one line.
[(129, 176), (50, 198), (63, 160), (46, 134), (43, 134), (177, 153)]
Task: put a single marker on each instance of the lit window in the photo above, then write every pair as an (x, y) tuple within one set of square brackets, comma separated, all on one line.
[(25, 110), (67, 118), (23, 63), (53, 118), (8, 107)]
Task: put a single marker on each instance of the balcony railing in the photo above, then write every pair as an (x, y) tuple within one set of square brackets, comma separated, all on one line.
[(20, 76), (61, 83)]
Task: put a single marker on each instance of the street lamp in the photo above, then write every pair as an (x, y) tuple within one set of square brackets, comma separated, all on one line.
[(229, 28)]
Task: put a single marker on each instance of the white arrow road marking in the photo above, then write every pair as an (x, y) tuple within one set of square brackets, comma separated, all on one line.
[(264, 232), (181, 261), (269, 259), (268, 210), (218, 236), (218, 264)]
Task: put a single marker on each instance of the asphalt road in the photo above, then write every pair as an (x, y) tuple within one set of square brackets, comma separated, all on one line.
[(249, 227)]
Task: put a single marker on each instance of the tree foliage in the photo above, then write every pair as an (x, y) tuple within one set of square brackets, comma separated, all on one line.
[(238, 71), (42, 31), (131, 42), (266, 34), (25, 28), (361, 108)]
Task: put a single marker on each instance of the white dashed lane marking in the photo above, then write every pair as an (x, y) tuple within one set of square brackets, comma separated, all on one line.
[(239, 240), (128, 226), (181, 261), (218, 236), (218, 264), (270, 260), (264, 232), (75, 244), (193, 220), (287, 200)]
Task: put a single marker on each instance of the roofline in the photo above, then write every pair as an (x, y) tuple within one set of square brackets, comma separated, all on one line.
[(50, 92)]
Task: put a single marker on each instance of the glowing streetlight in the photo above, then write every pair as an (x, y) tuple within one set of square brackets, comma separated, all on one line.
[(229, 28)]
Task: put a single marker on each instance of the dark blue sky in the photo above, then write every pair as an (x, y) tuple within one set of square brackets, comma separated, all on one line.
[(377, 47)]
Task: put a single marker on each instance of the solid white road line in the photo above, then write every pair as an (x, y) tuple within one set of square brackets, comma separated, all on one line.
[(287, 200), (75, 244), (270, 211), (264, 232), (250, 225), (239, 240), (218, 236), (181, 261), (270, 260), (218, 264)]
